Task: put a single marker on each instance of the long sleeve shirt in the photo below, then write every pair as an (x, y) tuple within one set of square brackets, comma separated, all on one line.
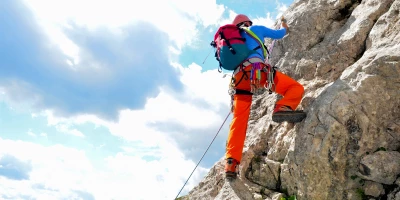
[(262, 32)]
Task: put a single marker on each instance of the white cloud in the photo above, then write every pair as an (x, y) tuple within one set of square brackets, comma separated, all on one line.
[(178, 18), (64, 128), (281, 9), (58, 172), (205, 12), (166, 107), (209, 85), (169, 168), (229, 20), (30, 133), (267, 21)]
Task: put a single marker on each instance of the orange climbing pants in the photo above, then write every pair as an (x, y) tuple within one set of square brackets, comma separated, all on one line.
[(292, 93)]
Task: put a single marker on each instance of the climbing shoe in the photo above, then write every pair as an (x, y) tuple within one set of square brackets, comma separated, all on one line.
[(231, 168), (285, 113)]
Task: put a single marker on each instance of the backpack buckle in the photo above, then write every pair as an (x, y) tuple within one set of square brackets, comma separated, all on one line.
[(213, 44)]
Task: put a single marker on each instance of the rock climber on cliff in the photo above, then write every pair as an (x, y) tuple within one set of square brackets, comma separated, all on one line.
[(282, 84)]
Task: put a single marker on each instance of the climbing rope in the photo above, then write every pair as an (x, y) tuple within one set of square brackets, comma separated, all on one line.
[(271, 69), (204, 154), (271, 46)]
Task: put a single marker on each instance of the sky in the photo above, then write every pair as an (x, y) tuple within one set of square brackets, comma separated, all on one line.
[(112, 99)]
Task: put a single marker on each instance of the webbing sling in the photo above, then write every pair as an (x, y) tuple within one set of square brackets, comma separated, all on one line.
[(255, 37)]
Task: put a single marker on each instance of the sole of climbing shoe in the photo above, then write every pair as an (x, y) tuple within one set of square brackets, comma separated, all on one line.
[(230, 175), (289, 116)]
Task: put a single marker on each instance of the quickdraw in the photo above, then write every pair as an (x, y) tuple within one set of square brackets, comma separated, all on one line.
[(269, 84), (255, 77)]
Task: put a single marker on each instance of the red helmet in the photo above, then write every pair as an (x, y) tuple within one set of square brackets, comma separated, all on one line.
[(241, 18)]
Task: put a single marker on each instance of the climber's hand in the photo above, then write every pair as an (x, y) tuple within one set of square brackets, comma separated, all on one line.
[(283, 20), (284, 25)]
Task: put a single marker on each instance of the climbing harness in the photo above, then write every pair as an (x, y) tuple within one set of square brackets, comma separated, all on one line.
[(255, 77), (258, 66), (203, 154), (270, 79)]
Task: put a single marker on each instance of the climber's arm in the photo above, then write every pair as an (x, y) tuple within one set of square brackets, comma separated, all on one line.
[(265, 32), (284, 25)]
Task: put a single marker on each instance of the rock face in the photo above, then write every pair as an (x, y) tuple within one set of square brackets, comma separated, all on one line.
[(346, 53)]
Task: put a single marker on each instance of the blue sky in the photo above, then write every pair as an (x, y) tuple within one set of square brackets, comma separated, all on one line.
[(102, 100)]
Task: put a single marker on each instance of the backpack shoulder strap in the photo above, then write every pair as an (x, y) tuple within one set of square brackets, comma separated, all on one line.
[(255, 37)]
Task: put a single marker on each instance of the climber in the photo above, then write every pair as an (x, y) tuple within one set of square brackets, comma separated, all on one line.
[(290, 89)]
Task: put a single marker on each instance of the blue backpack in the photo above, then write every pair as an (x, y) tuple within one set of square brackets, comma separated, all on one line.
[(231, 49)]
